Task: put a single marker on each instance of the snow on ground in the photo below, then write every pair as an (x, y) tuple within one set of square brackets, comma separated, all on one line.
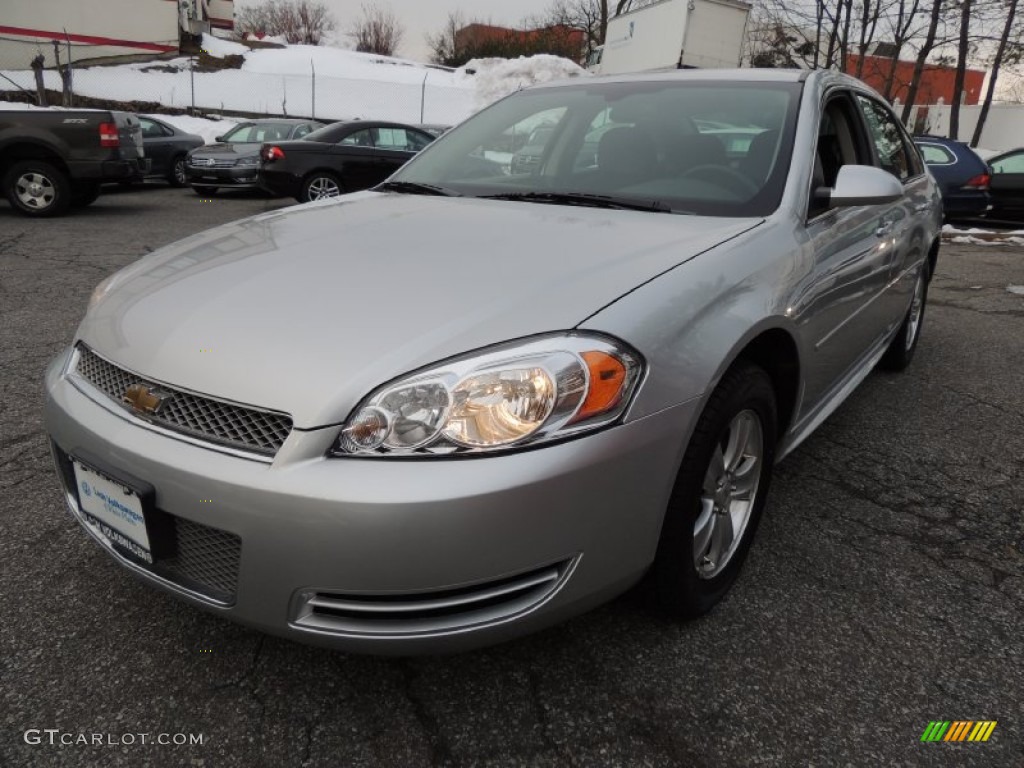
[(347, 84), (969, 240), (1017, 290)]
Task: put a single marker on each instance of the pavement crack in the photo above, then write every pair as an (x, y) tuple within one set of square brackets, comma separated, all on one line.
[(540, 711), (440, 751)]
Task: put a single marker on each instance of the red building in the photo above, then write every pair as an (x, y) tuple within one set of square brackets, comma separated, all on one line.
[(560, 37), (936, 81)]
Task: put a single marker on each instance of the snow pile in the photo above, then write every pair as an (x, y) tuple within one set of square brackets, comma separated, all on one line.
[(218, 47), (1016, 290), (496, 78)]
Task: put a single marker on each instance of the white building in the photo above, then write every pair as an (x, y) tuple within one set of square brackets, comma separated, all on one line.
[(101, 28)]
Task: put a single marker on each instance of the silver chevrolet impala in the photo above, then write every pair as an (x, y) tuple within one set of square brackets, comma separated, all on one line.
[(485, 397)]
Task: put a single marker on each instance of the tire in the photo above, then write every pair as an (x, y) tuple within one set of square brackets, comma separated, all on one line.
[(84, 194), (204, 191), (696, 562), (903, 345), (176, 176), (320, 185), (37, 188)]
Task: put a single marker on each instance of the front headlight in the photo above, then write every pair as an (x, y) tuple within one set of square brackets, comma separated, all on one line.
[(516, 394)]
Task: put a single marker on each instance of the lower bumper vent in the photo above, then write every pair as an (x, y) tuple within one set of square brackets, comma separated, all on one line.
[(428, 612)]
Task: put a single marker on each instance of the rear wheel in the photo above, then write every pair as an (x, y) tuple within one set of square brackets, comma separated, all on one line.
[(37, 188), (320, 185), (176, 176), (84, 194), (204, 191), (719, 494), (901, 349)]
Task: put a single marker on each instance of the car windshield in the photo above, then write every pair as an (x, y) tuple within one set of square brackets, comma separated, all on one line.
[(705, 147), (257, 133)]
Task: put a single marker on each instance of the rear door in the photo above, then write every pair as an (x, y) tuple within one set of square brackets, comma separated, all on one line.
[(355, 157), (395, 146), (895, 153), (1007, 186), (159, 143)]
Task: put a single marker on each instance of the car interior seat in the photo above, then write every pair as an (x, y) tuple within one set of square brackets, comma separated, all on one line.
[(627, 155)]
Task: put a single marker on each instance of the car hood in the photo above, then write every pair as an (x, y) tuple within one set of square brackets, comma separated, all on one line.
[(307, 310)]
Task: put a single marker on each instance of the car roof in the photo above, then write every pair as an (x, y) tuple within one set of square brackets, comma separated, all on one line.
[(817, 77)]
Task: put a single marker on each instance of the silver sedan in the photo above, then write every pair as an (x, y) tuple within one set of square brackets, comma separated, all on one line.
[(479, 399)]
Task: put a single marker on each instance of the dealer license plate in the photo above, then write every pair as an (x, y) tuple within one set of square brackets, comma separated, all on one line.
[(113, 509)]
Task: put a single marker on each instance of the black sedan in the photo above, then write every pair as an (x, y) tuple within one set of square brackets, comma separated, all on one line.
[(234, 160), (343, 157), (1007, 186), (166, 149)]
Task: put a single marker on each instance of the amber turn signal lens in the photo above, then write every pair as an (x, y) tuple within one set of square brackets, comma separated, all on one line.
[(607, 382)]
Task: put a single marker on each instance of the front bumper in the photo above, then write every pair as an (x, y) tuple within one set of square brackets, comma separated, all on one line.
[(389, 556), (239, 176)]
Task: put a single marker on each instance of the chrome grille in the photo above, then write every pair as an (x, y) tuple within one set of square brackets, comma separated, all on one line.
[(211, 420), (214, 163), (428, 612)]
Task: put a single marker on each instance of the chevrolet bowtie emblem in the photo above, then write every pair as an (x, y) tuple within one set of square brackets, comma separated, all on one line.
[(143, 399)]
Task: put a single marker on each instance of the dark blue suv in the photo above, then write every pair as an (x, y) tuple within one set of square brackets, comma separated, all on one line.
[(963, 176)]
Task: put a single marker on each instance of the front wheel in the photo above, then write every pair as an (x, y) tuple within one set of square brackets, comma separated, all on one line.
[(719, 494), (319, 186), (37, 188), (901, 349)]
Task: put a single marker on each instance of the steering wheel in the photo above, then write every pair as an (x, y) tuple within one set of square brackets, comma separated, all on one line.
[(724, 176)]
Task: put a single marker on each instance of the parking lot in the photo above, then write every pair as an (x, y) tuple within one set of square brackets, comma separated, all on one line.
[(885, 588)]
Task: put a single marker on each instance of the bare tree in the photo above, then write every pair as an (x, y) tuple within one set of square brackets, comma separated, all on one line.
[(589, 16), (377, 31), (961, 68), (443, 44), (927, 46), (297, 21), (997, 63)]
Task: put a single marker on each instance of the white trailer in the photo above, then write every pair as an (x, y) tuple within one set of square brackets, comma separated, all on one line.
[(673, 34)]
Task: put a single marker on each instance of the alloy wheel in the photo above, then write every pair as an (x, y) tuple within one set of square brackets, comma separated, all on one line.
[(728, 494), (321, 187), (35, 191)]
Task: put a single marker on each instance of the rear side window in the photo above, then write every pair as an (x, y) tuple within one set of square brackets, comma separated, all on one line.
[(936, 155), (358, 139), (1010, 164), (887, 137)]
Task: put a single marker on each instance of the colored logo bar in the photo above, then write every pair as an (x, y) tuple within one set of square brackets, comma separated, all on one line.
[(958, 730)]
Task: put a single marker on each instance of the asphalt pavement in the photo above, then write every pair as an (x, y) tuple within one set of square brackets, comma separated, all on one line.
[(885, 588)]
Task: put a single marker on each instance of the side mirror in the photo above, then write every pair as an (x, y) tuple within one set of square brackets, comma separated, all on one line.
[(219, 138), (864, 185)]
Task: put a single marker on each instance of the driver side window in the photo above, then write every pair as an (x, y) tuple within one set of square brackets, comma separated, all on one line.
[(840, 142)]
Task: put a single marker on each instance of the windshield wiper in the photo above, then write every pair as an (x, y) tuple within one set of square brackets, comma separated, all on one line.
[(414, 188), (584, 199)]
